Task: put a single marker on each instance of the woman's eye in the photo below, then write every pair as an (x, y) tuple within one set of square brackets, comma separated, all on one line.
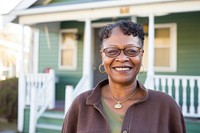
[(112, 51), (131, 51)]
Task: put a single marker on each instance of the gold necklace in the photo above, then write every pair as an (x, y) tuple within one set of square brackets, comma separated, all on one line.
[(118, 104)]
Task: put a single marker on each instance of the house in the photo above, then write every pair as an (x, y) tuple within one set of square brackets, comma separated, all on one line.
[(66, 54)]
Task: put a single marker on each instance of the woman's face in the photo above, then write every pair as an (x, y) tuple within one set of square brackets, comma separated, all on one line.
[(122, 69)]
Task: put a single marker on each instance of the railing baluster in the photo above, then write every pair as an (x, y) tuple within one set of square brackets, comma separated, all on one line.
[(184, 85), (27, 91), (191, 108), (163, 84), (42, 81), (157, 83), (169, 86), (176, 84)]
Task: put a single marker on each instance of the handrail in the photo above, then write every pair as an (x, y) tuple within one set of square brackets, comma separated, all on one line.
[(38, 108), (40, 94), (70, 94), (79, 87)]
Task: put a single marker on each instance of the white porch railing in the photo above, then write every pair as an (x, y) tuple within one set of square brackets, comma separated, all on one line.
[(184, 89), (40, 95), (71, 93)]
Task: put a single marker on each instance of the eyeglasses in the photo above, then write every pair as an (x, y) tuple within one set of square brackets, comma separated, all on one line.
[(113, 52)]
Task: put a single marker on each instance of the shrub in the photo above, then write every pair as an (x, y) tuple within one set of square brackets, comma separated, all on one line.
[(9, 99)]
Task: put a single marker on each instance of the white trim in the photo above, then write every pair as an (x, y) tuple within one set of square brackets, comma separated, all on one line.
[(150, 70), (173, 48), (73, 12), (36, 50), (74, 67), (87, 55), (21, 86), (100, 24), (88, 5)]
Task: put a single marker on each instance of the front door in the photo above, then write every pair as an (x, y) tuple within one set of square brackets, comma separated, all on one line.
[(97, 59)]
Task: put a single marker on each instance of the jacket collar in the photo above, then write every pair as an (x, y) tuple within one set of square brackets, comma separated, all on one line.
[(95, 96)]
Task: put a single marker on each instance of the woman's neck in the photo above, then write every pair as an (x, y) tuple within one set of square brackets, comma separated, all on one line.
[(121, 91)]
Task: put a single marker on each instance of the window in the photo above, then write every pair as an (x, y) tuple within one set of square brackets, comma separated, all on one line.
[(165, 48), (68, 49)]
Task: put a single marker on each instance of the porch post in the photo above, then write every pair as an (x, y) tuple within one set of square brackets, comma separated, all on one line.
[(150, 71), (87, 54), (36, 49), (21, 87)]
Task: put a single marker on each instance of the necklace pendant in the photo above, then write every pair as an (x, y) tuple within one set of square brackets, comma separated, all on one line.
[(118, 106)]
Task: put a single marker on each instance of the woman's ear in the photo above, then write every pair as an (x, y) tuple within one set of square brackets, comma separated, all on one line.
[(142, 53), (102, 57)]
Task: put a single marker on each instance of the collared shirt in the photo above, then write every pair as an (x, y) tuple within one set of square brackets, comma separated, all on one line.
[(155, 113)]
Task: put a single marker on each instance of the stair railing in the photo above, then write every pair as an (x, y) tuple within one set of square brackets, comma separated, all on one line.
[(71, 93), (42, 96)]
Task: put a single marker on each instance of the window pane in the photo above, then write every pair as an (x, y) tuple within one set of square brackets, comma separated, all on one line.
[(68, 49), (68, 39), (162, 57), (162, 37), (67, 57), (162, 33)]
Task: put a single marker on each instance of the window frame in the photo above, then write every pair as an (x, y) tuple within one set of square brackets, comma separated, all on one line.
[(172, 46), (69, 67)]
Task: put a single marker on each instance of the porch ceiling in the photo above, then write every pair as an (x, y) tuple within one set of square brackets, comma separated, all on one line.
[(97, 10)]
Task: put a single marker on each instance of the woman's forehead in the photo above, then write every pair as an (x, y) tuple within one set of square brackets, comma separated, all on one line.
[(122, 41)]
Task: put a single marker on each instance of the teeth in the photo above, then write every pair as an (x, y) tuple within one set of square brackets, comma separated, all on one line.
[(122, 69)]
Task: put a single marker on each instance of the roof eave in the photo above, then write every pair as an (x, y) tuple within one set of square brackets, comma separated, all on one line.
[(85, 6)]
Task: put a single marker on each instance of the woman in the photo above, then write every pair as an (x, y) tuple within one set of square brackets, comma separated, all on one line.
[(121, 104)]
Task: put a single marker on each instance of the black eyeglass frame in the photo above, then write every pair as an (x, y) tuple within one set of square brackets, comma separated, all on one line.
[(124, 50)]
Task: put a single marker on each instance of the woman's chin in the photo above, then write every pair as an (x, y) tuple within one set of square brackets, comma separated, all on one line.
[(122, 80)]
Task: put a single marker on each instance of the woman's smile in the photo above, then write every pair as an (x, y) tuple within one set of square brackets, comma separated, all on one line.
[(122, 68)]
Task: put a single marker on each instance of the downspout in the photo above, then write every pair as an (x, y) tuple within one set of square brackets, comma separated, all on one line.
[(87, 54), (150, 71), (21, 88)]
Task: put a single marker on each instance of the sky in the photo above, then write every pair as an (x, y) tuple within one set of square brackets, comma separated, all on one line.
[(7, 5)]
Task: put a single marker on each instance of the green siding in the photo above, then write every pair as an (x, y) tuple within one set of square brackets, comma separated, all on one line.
[(48, 57)]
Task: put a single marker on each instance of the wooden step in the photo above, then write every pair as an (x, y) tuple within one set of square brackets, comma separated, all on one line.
[(50, 122)]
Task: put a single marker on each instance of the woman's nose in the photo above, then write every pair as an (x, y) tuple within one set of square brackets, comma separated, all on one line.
[(122, 57)]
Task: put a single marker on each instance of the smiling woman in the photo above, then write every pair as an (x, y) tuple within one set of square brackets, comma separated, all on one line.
[(121, 103)]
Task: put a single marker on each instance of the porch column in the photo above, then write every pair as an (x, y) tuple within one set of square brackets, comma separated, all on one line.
[(21, 87), (36, 49), (87, 54), (150, 70)]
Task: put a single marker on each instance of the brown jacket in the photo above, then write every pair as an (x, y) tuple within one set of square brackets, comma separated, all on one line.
[(156, 113)]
